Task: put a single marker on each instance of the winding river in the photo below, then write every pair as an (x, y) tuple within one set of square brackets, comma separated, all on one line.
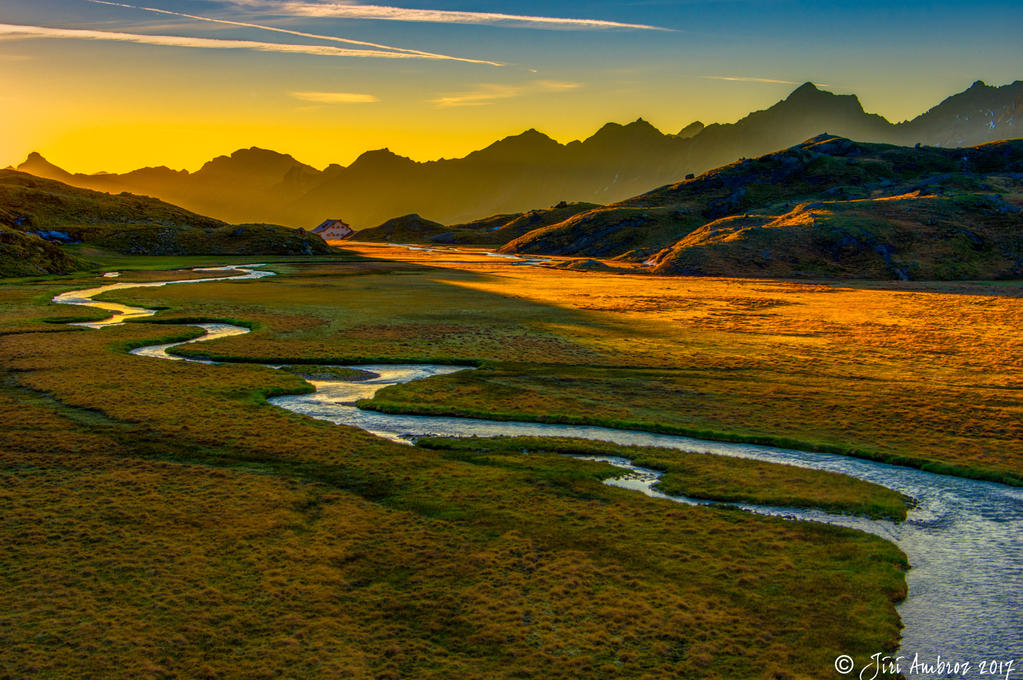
[(963, 539)]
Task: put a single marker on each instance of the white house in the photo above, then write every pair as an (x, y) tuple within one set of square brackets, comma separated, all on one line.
[(334, 230)]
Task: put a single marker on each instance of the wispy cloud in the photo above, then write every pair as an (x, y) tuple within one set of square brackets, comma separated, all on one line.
[(348, 10), (301, 34), (747, 79), (335, 97), (17, 31), (487, 93)]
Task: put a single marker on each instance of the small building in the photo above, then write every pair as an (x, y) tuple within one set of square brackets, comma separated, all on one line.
[(334, 230)]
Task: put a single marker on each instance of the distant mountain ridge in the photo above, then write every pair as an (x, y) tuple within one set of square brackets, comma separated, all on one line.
[(529, 170)]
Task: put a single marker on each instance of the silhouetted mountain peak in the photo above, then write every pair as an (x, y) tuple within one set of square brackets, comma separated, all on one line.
[(155, 173), (809, 99), (381, 160), (691, 130), (607, 128), (976, 115), (251, 161), (808, 92), (807, 89), (525, 170), (257, 155), (642, 127), (641, 124), (36, 165), (532, 136), (525, 146), (615, 134)]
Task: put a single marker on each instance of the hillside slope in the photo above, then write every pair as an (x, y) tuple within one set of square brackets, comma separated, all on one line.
[(499, 232), (827, 207), (23, 254), (136, 224), (915, 236), (410, 228), (495, 230)]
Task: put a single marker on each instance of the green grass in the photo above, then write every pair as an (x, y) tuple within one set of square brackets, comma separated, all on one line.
[(24, 255), (321, 372), (621, 399), (812, 366), (701, 475)]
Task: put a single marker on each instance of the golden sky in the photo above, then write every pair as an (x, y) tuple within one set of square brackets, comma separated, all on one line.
[(111, 86)]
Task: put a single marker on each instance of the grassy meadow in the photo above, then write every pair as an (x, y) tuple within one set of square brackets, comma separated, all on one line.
[(162, 520), (702, 476), (920, 374)]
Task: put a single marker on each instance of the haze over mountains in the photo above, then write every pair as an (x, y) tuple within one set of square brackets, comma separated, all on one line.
[(532, 170), (38, 214)]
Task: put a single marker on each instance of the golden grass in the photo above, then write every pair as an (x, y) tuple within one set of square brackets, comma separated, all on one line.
[(924, 373)]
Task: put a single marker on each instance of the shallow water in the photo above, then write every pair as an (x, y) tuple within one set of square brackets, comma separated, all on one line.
[(963, 541), (121, 313)]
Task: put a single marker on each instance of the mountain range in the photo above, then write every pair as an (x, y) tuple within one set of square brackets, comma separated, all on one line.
[(531, 170)]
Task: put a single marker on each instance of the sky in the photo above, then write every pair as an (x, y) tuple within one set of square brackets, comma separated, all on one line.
[(113, 86)]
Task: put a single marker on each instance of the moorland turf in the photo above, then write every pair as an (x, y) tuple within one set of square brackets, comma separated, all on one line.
[(702, 476), (162, 520), (923, 375)]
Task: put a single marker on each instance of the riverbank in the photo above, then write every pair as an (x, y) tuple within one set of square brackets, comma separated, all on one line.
[(927, 377), (406, 404)]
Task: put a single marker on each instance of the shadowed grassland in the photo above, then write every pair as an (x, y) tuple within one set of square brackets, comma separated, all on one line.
[(924, 375), (704, 476), (130, 224), (108, 259), (161, 520)]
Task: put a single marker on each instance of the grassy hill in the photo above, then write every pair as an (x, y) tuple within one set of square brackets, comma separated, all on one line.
[(501, 229), (23, 254), (904, 237), (495, 230), (405, 229), (827, 207), (132, 224)]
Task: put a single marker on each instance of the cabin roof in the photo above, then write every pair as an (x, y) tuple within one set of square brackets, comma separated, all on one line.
[(327, 224)]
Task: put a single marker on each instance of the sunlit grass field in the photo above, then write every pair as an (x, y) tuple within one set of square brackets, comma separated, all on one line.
[(926, 374), (162, 520)]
